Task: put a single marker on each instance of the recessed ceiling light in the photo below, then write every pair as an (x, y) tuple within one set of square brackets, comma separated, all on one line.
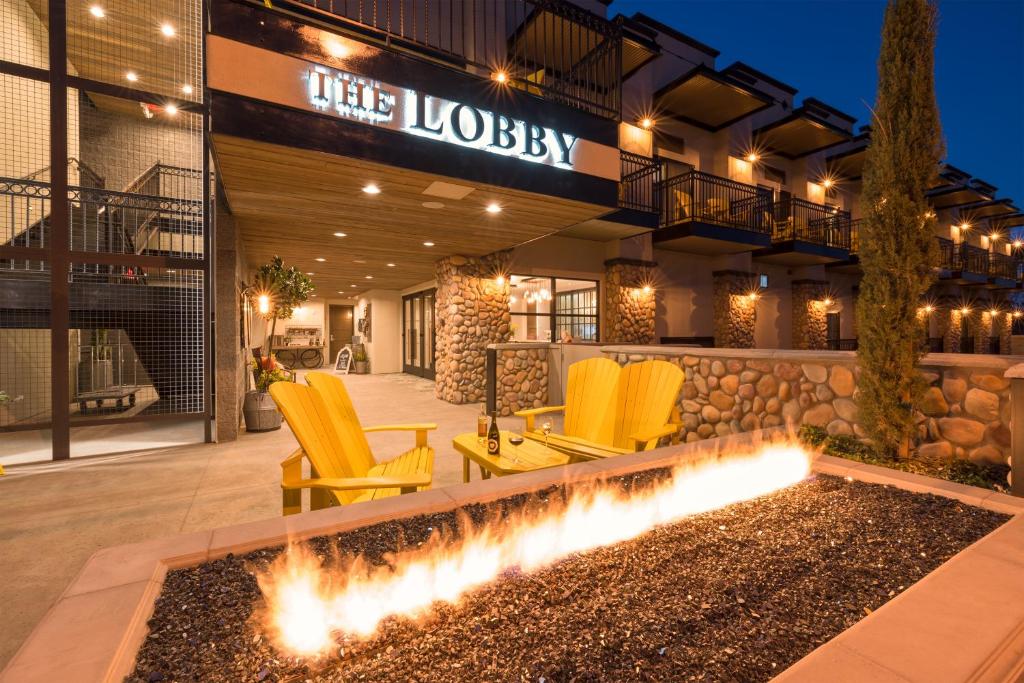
[(391, 265), (187, 89), (167, 30), (433, 205), (359, 260), (428, 244), (494, 207), (340, 234), (321, 260), (369, 277), (353, 285), (341, 292), (371, 188), (310, 273), (131, 76), (171, 110), (97, 11), (312, 294)]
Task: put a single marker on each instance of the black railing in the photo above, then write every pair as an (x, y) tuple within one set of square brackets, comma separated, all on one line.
[(946, 251), (1002, 266), (842, 344), (699, 196), (970, 259), (799, 219), (855, 235), (548, 48), (641, 177)]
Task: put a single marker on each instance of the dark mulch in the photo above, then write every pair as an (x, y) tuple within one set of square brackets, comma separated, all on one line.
[(734, 595)]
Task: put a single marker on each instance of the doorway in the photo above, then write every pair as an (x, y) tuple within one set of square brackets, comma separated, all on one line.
[(341, 327), (418, 332)]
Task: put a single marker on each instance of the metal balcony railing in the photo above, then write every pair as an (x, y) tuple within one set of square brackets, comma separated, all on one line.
[(699, 196), (641, 177), (799, 219), (855, 235), (842, 344), (1002, 266), (549, 48), (946, 251), (971, 259)]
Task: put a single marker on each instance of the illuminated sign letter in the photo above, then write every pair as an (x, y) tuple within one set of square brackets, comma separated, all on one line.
[(564, 146), (382, 102), (421, 116), (319, 85), (478, 123), (534, 143), (503, 129)]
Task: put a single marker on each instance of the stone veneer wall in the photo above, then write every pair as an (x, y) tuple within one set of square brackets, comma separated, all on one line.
[(629, 310), (522, 376), (965, 412), (472, 312), (810, 314), (735, 308)]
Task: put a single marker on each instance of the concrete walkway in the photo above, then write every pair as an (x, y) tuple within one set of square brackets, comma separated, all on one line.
[(51, 523)]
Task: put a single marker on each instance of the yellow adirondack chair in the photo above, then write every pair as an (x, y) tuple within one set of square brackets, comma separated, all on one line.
[(342, 467), (589, 397), (641, 411)]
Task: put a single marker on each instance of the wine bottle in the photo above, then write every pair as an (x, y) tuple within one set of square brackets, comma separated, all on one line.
[(481, 425), (494, 436)]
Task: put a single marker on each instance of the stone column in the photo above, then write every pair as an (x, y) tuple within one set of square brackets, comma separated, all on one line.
[(1005, 330), (950, 317), (735, 308), (810, 325), (629, 301), (472, 312), (232, 361), (979, 322)]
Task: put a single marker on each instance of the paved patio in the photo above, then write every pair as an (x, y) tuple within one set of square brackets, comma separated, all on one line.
[(53, 521)]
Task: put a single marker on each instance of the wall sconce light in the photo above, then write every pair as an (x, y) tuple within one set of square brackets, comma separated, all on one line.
[(501, 76), (928, 309), (646, 289), (965, 310), (263, 304), (1016, 314), (500, 280), (827, 183), (827, 301), (647, 123), (994, 312), (753, 157)]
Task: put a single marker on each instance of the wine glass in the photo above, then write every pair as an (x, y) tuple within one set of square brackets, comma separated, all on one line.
[(546, 428), (515, 440)]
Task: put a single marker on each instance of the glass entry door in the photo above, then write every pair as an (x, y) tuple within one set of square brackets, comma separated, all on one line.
[(418, 333)]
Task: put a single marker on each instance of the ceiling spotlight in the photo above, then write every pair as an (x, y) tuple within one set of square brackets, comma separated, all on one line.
[(320, 259), (187, 89), (995, 236), (500, 76), (1017, 244), (371, 189), (171, 110), (97, 11), (369, 277), (131, 76), (167, 30), (391, 265), (827, 183), (310, 273), (353, 285), (493, 207), (340, 234), (647, 123), (753, 157), (428, 244)]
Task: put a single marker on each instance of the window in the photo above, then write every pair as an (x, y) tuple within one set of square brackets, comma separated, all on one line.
[(551, 309), (762, 281)]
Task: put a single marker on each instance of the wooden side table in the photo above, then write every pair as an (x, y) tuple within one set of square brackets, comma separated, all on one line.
[(529, 455)]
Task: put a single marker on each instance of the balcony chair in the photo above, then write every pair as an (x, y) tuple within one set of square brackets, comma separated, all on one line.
[(342, 467), (634, 413)]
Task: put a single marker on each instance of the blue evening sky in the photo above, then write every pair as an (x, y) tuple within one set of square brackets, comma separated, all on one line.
[(829, 49)]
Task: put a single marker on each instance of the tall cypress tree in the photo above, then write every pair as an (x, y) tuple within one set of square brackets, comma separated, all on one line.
[(898, 244)]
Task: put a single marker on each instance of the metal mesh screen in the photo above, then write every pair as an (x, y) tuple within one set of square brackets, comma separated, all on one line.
[(23, 39), (24, 353), (136, 343)]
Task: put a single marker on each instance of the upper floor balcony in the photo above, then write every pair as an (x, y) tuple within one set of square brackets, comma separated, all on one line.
[(966, 264), (551, 49), (805, 233)]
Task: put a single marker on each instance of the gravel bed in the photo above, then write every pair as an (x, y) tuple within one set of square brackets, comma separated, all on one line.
[(737, 594)]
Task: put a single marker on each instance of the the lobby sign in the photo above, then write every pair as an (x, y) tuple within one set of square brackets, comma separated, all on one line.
[(345, 92), (355, 97)]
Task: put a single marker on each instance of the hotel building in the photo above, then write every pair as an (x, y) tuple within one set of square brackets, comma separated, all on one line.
[(449, 174)]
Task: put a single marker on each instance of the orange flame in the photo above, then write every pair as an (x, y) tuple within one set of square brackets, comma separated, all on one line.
[(307, 602)]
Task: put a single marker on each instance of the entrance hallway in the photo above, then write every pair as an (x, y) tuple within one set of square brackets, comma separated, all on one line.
[(53, 522)]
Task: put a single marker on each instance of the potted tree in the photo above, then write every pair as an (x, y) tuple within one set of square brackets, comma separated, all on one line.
[(276, 293), (360, 362)]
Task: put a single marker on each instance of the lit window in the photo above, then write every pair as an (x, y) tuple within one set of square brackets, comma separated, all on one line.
[(552, 309)]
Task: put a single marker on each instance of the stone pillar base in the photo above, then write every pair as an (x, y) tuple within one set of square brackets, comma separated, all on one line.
[(735, 307), (810, 310), (629, 301)]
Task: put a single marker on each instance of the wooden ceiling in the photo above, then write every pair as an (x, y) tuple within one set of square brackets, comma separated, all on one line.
[(128, 38), (290, 202)]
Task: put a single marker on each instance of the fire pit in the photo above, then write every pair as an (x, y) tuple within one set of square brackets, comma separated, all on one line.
[(736, 582), (656, 576)]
